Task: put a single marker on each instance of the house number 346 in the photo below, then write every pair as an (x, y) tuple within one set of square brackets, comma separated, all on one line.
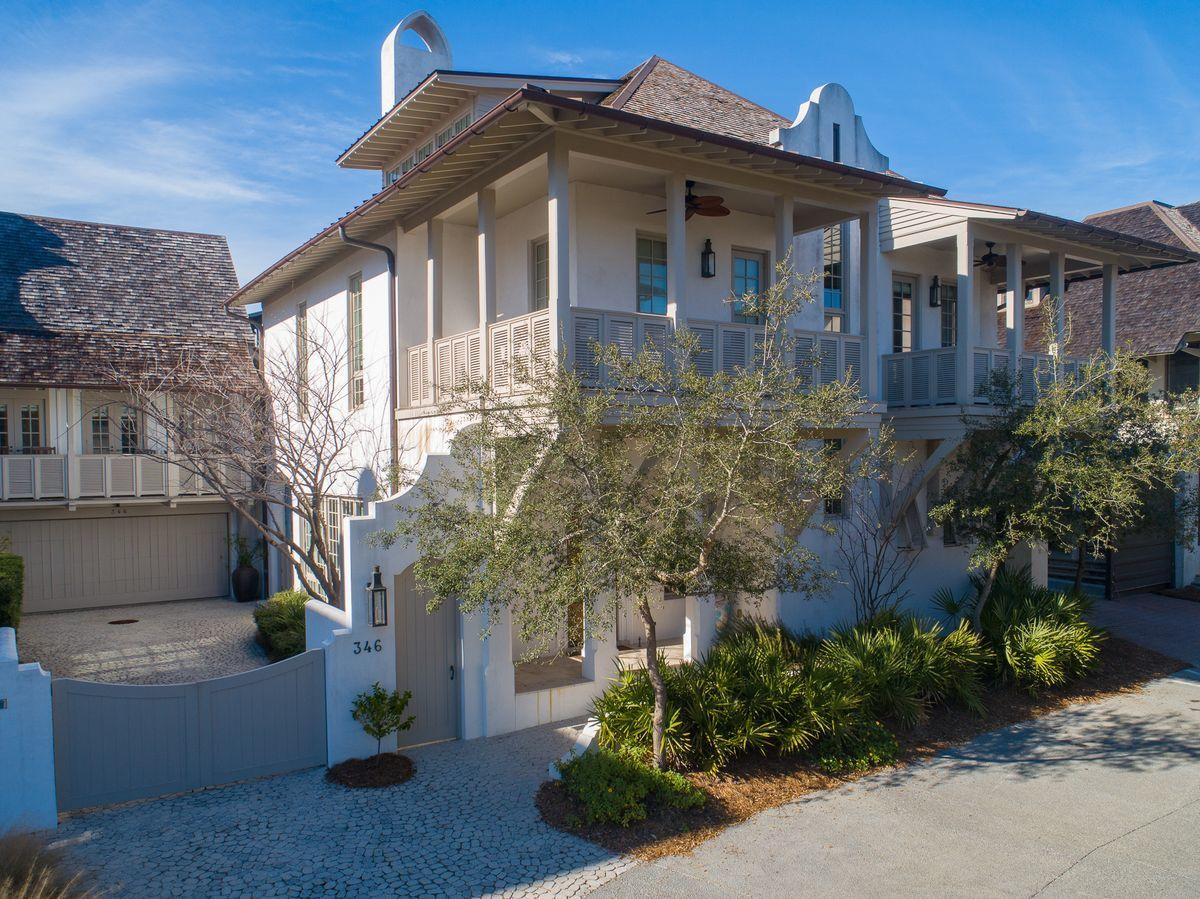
[(361, 646)]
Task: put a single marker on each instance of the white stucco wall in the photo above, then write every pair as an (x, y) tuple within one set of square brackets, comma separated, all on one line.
[(27, 798)]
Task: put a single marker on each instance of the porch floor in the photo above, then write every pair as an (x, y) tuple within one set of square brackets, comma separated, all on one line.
[(635, 656), (546, 674)]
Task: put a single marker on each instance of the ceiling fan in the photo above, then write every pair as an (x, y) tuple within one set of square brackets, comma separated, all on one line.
[(707, 204), (989, 260)]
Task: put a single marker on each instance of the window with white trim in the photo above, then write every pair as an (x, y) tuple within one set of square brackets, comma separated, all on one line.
[(832, 263), (331, 511), (99, 431), (948, 295), (131, 431), (651, 275), (539, 274), (354, 339), (902, 315), (31, 427)]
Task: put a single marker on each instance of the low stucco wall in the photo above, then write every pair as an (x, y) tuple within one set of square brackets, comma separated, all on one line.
[(27, 799)]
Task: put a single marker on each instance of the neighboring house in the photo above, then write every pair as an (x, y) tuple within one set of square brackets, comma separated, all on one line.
[(1158, 319), (88, 495), (522, 217)]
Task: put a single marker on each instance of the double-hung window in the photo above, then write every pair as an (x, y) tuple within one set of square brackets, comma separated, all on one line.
[(539, 274), (949, 314), (354, 339), (100, 431), (130, 431), (834, 271), (31, 427), (902, 315), (652, 275), (747, 269)]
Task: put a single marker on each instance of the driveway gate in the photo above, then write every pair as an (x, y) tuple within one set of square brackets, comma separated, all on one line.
[(115, 742)]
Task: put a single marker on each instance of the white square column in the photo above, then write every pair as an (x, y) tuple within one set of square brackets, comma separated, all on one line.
[(1014, 310), (873, 298), (1058, 291), (676, 248), (485, 203), (965, 325), (785, 208), (558, 221), (701, 614), (1108, 321), (433, 294)]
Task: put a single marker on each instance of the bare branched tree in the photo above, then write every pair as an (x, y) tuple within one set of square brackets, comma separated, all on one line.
[(278, 442)]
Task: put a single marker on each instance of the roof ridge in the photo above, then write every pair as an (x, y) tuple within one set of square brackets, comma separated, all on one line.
[(50, 218), (1139, 204), (633, 80), (724, 88), (1180, 226)]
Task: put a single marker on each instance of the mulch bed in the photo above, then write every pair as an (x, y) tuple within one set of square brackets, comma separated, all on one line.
[(750, 785), (384, 770)]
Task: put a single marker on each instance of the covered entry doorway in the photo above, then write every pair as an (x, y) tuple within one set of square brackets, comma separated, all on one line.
[(426, 663)]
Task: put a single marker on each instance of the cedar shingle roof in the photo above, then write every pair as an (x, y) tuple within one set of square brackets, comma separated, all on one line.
[(81, 302), (663, 90), (1155, 308)]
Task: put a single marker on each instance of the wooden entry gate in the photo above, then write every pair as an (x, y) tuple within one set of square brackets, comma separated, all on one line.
[(116, 742)]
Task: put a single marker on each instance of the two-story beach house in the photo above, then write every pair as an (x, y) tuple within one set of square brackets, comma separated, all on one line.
[(89, 495), (523, 217)]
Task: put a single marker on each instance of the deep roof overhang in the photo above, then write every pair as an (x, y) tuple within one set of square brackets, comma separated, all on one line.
[(523, 117)]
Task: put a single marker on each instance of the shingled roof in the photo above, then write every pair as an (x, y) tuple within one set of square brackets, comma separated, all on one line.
[(1157, 308), (85, 304), (663, 90)]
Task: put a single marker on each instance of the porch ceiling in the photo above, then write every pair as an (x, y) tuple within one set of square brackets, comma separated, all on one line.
[(507, 137)]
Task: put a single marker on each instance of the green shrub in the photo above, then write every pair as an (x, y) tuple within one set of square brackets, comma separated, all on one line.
[(381, 712), (280, 620), (1038, 636), (901, 666), (12, 585), (617, 788), (858, 749)]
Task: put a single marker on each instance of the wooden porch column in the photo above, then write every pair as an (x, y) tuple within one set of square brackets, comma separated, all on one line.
[(873, 299), (433, 295), (486, 259), (1108, 322), (964, 327), (558, 213), (676, 248), (1058, 290), (1014, 309)]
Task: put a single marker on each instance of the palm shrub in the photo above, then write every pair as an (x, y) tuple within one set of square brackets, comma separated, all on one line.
[(1038, 636)]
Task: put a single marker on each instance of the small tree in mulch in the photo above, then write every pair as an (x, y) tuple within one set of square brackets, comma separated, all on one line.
[(381, 713)]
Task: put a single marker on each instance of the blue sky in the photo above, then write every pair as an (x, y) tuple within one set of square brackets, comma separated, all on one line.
[(227, 116)]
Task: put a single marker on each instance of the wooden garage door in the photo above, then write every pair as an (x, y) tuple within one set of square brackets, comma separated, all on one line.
[(80, 563)]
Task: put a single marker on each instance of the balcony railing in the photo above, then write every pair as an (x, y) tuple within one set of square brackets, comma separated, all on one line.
[(931, 377), (63, 477), (516, 346)]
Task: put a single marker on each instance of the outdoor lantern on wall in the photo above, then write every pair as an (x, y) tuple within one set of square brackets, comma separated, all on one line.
[(708, 260), (935, 292), (377, 596)]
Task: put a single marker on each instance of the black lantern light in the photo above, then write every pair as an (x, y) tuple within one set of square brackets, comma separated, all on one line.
[(377, 597), (708, 260), (935, 292)]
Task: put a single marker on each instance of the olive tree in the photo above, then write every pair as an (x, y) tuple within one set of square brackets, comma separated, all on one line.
[(643, 473)]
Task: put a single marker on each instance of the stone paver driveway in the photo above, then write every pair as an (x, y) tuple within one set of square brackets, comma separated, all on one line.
[(464, 825)]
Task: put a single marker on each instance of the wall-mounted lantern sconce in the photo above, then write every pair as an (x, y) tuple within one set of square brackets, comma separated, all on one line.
[(935, 292), (708, 260), (377, 597)]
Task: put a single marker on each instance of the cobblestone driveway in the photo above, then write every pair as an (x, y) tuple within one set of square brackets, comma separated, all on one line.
[(464, 825)]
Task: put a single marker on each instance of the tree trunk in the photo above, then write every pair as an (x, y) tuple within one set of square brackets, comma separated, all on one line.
[(1079, 566), (985, 594), (656, 680)]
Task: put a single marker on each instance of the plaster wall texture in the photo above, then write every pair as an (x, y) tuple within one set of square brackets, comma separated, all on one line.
[(27, 801)]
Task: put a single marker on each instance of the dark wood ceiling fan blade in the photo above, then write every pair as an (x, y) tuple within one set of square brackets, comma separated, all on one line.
[(653, 211), (708, 200), (714, 211), (690, 212)]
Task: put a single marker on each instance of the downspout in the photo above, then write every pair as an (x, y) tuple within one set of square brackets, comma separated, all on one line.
[(393, 433)]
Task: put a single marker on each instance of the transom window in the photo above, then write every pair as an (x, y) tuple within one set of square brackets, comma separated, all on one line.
[(31, 427), (834, 269), (747, 270), (652, 275), (539, 274), (354, 339), (949, 314), (902, 312)]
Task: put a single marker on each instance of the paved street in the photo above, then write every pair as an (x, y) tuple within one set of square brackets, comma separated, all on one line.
[(159, 643), (464, 825)]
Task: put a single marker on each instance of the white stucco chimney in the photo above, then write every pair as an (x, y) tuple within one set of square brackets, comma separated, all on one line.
[(401, 68)]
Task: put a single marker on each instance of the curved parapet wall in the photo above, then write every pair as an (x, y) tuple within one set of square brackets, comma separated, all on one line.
[(813, 132), (403, 67)]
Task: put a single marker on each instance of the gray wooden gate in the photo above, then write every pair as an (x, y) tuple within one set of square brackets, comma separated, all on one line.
[(426, 663), (115, 742)]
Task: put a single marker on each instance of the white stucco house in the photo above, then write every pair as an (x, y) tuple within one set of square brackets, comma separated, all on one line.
[(515, 218)]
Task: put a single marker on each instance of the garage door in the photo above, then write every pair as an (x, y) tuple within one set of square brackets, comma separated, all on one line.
[(80, 563)]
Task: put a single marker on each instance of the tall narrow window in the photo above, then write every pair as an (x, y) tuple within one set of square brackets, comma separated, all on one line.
[(837, 142), (902, 310), (949, 307), (834, 268), (302, 356), (835, 507), (539, 274), (652, 275), (748, 269), (99, 431), (31, 427), (354, 339), (131, 437), (3, 428)]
